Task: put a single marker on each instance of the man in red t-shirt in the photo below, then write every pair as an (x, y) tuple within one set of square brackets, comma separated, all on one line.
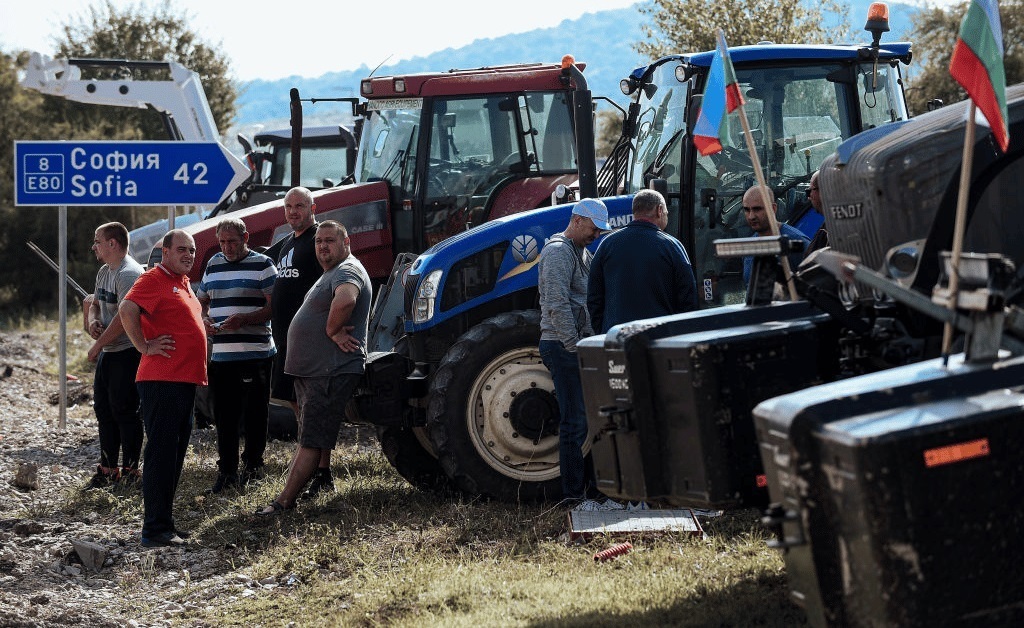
[(163, 319)]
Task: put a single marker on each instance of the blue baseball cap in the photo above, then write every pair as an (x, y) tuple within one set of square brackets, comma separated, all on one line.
[(595, 210)]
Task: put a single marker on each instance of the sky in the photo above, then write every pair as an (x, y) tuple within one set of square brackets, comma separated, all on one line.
[(272, 39)]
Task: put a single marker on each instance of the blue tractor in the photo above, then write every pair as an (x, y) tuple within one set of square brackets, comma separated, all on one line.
[(455, 382)]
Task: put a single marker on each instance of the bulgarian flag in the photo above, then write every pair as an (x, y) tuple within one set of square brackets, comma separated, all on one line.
[(721, 97), (977, 64)]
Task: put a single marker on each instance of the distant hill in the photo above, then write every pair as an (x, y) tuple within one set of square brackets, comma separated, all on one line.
[(604, 40)]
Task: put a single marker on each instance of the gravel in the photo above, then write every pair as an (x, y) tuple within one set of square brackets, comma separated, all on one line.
[(43, 581)]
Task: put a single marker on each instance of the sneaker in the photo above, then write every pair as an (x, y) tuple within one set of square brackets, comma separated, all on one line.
[(323, 482), (100, 479), (248, 474), (641, 505), (169, 539), (224, 481)]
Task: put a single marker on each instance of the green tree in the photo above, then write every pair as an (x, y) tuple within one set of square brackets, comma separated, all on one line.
[(609, 128), (692, 25), (136, 33), (107, 32), (934, 35)]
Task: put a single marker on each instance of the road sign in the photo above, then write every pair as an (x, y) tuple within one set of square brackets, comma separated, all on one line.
[(124, 173)]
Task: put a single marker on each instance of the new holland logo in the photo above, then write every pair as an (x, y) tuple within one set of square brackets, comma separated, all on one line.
[(524, 248)]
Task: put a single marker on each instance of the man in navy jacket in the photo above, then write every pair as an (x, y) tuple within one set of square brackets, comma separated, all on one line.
[(640, 271)]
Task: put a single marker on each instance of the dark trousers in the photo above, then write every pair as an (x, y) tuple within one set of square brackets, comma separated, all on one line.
[(241, 394), (116, 402), (167, 414), (577, 473)]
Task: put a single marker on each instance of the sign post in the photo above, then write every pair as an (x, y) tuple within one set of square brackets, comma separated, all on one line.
[(62, 307), (59, 174)]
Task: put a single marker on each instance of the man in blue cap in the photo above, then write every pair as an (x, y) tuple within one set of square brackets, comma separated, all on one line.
[(562, 283), (640, 271)]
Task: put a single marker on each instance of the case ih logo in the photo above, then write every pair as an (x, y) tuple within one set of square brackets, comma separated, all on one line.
[(845, 212), (524, 248)]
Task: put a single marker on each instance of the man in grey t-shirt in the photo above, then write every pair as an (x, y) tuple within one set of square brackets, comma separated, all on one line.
[(328, 356), (116, 400)]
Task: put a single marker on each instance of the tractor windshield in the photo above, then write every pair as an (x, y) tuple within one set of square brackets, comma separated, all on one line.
[(798, 115)]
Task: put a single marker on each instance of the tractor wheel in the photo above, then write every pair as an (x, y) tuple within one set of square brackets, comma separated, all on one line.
[(409, 451), (492, 414)]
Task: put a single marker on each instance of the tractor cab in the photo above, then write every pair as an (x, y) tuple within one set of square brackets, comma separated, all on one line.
[(448, 158), (801, 102)]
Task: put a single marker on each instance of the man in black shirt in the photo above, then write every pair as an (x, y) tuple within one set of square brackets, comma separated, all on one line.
[(297, 271)]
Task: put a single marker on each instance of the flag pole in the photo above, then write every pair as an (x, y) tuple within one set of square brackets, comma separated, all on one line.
[(959, 227), (762, 186)]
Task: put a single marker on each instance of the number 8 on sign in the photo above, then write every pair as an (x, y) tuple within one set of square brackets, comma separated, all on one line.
[(44, 174)]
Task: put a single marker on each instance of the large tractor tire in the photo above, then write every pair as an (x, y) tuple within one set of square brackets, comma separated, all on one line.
[(409, 451), (492, 414)]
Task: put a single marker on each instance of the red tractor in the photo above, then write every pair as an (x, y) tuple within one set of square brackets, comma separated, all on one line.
[(442, 152)]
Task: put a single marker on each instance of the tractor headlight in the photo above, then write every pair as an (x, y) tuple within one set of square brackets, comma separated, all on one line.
[(765, 245), (426, 294)]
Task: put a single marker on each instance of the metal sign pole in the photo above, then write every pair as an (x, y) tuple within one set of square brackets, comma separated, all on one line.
[(171, 213), (62, 301)]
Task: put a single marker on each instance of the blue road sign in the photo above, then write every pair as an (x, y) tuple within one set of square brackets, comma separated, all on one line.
[(124, 173)]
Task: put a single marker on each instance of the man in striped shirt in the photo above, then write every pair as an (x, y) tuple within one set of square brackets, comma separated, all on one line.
[(235, 295)]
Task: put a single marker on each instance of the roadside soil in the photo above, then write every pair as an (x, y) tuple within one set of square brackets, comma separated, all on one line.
[(45, 506)]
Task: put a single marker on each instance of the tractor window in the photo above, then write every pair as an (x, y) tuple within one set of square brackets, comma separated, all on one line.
[(387, 150), (319, 163), (881, 100), (660, 129), (477, 144), (550, 131)]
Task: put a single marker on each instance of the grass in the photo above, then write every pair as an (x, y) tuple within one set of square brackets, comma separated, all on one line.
[(378, 552)]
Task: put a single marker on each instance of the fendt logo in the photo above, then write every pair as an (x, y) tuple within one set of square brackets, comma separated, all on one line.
[(524, 248), (846, 212)]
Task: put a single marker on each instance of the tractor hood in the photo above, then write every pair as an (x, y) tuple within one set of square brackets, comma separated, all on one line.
[(487, 262)]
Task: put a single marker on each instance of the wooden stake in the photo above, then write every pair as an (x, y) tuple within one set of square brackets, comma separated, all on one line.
[(765, 197), (959, 226)]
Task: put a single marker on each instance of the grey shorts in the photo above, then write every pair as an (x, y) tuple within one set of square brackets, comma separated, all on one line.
[(322, 403)]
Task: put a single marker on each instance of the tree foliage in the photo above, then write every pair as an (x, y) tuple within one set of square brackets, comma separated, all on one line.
[(934, 35), (134, 33), (609, 128), (137, 33), (692, 25)]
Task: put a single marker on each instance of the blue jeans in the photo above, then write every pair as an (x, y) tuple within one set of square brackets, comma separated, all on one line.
[(167, 413), (577, 475)]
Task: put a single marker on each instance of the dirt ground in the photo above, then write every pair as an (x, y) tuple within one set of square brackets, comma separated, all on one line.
[(43, 581)]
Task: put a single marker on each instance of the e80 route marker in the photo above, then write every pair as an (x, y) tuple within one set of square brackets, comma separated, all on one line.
[(124, 173)]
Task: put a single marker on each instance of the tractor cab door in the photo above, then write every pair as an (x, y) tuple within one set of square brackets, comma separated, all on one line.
[(477, 145)]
